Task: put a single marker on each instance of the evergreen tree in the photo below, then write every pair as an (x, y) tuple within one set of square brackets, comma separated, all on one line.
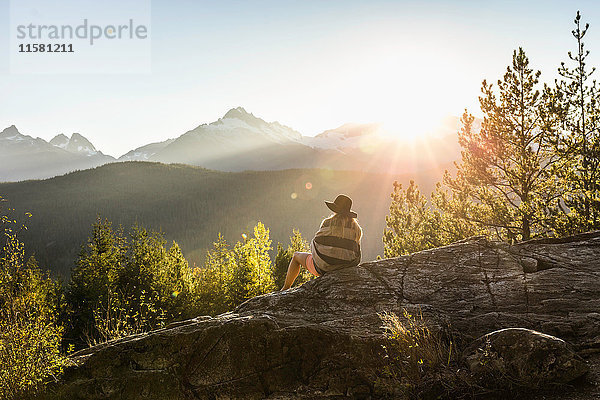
[(505, 168), (240, 280), (451, 211), (409, 227), (93, 280), (579, 145), (252, 273), (175, 285), (210, 282), (260, 246), (120, 287), (415, 224), (152, 289), (137, 286)]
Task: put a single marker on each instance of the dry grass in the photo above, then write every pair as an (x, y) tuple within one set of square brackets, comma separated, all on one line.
[(417, 347), (423, 359)]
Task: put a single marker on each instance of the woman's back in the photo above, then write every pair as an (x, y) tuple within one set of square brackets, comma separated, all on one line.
[(337, 243)]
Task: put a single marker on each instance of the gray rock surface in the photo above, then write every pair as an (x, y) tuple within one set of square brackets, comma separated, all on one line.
[(324, 339), (517, 357)]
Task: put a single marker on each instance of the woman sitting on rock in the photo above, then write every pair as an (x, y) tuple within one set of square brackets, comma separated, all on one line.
[(335, 245)]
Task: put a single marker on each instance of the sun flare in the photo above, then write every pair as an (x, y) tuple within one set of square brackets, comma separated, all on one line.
[(409, 98)]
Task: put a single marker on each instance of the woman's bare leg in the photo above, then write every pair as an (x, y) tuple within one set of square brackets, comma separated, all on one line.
[(297, 261)]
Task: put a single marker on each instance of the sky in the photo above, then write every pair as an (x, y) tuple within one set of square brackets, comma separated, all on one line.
[(310, 64)]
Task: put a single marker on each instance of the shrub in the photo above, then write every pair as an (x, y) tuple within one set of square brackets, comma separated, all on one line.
[(30, 339)]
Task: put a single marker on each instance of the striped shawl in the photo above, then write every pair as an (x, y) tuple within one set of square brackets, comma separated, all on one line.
[(336, 244)]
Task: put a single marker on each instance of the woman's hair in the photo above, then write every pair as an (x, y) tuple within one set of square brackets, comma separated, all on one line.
[(342, 220)]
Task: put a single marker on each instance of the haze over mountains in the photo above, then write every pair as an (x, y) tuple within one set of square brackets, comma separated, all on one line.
[(24, 157), (192, 205), (236, 142)]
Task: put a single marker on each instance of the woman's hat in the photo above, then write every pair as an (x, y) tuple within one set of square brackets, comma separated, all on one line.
[(341, 205)]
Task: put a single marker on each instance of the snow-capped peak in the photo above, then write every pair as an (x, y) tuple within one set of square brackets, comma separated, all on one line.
[(76, 144), (11, 133), (240, 113), (352, 130), (144, 153), (239, 126), (346, 136), (60, 141)]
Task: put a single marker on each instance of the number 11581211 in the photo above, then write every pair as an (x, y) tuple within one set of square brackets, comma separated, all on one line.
[(46, 48)]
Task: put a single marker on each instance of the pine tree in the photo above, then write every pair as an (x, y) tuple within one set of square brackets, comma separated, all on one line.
[(94, 278), (505, 168), (409, 225), (240, 282), (211, 282), (451, 211), (579, 146), (414, 224), (174, 285), (121, 287), (138, 294)]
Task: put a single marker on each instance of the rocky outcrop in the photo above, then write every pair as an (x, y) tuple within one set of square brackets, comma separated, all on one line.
[(324, 339)]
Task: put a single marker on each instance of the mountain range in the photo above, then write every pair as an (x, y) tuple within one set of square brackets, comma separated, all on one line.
[(24, 157), (236, 142)]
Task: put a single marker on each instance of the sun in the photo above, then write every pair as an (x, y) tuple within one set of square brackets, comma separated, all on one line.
[(404, 91), (413, 128)]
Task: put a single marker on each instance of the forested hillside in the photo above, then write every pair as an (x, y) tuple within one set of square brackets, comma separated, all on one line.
[(192, 205)]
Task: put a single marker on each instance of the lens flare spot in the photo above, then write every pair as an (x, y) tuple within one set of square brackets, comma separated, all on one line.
[(308, 186), (244, 236), (294, 196)]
